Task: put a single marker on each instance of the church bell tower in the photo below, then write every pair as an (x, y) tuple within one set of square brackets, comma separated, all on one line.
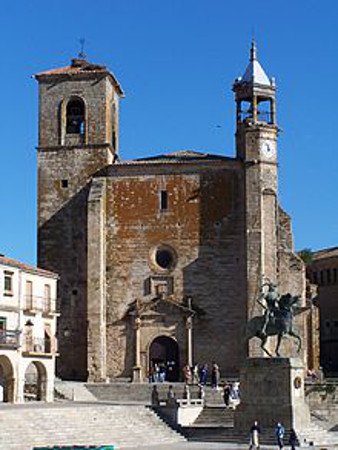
[(256, 144), (78, 139)]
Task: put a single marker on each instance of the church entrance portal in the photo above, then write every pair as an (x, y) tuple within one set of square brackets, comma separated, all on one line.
[(165, 353)]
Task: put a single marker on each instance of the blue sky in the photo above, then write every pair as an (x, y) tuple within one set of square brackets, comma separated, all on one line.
[(176, 60)]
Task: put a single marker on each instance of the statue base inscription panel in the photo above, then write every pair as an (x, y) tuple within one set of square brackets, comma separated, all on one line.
[(272, 390)]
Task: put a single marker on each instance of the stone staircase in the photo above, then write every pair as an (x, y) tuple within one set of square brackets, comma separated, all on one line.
[(215, 416), (141, 392), (73, 390), (314, 436), (24, 426)]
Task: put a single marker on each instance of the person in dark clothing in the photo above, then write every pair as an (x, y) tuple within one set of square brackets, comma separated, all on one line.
[(204, 374), (254, 436), (226, 394), (293, 440)]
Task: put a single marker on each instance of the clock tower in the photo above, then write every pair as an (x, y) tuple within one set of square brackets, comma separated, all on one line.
[(256, 144)]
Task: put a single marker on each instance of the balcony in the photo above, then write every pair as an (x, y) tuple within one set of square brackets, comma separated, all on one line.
[(44, 347), (34, 304), (9, 339)]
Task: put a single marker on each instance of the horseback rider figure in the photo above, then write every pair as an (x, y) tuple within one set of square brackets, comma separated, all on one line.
[(270, 302)]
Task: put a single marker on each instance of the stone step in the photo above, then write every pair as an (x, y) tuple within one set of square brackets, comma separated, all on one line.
[(82, 424), (211, 415), (141, 392)]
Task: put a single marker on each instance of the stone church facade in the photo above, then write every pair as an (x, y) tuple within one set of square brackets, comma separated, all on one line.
[(161, 259)]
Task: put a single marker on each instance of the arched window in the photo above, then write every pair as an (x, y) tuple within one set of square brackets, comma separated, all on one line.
[(75, 117)]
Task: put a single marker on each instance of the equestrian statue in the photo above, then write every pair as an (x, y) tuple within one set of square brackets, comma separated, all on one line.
[(277, 319)]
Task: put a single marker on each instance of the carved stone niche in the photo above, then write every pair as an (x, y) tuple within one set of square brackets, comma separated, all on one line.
[(159, 285)]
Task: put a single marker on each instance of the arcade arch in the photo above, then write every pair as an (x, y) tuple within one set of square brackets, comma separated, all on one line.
[(35, 386), (7, 381)]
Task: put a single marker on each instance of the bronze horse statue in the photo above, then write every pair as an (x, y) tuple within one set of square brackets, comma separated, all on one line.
[(280, 325)]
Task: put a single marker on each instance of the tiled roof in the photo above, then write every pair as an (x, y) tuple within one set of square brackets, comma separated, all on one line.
[(26, 267), (254, 73), (325, 253), (78, 67), (177, 157)]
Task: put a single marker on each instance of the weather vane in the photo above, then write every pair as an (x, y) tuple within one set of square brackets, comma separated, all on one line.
[(82, 54)]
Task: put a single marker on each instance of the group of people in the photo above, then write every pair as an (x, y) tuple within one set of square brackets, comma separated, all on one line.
[(198, 374), (279, 434), (160, 372)]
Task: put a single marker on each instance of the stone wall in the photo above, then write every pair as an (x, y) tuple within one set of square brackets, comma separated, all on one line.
[(204, 227)]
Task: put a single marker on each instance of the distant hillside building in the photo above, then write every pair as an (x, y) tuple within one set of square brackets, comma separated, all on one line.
[(161, 259), (28, 347), (323, 271)]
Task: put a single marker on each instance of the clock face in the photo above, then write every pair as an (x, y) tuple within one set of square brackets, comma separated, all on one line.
[(268, 149)]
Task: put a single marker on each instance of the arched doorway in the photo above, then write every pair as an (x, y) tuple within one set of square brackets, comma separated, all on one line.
[(6, 380), (35, 382), (164, 352)]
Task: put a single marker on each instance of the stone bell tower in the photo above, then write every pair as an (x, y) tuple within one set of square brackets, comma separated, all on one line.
[(78, 138), (256, 142)]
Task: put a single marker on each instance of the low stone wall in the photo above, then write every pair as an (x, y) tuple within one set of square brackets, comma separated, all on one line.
[(321, 394), (180, 412)]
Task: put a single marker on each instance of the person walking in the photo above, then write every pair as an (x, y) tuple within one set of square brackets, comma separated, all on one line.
[(279, 433), (254, 436), (293, 439)]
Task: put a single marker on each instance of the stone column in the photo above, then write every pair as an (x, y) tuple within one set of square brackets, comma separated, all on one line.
[(96, 286), (137, 369), (188, 325), (272, 111), (238, 111), (254, 109)]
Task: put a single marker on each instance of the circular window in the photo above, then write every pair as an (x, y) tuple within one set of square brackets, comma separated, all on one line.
[(163, 258)]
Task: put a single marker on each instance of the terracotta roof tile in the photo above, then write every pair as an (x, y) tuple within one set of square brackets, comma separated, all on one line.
[(26, 267), (180, 156), (80, 67), (325, 253)]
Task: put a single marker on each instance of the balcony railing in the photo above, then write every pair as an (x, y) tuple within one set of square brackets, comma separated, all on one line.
[(39, 345), (9, 339), (46, 305)]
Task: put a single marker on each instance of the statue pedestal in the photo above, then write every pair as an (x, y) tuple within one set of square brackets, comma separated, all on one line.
[(272, 390)]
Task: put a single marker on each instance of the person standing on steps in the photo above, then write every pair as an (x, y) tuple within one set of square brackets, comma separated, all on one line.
[(279, 433), (254, 436), (204, 374), (155, 401), (293, 439), (171, 396), (187, 374), (226, 394), (215, 376)]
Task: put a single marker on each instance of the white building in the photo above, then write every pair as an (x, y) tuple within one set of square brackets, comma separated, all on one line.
[(28, 346)]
